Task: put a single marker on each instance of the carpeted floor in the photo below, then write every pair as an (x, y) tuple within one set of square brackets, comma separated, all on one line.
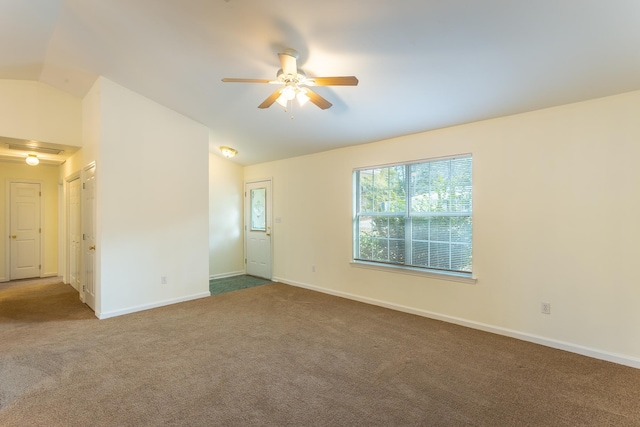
[(276, 355), (229, 284)]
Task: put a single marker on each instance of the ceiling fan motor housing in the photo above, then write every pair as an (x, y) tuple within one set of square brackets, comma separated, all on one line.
[(297, 79)]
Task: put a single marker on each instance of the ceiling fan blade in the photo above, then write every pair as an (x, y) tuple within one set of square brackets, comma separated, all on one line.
[(332, 81), (317, 99), (288, 63), (270, 100), (232, 80)]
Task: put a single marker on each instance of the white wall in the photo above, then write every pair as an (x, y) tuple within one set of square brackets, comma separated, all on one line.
[(152, 217), (73, 167), (555, 220), (226, 245), (91, 128), (35, 111), (152, 203)]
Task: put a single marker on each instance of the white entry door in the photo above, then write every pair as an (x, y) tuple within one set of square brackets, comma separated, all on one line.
[(25, 230), (75, 235), (89, 236), (257, 228)]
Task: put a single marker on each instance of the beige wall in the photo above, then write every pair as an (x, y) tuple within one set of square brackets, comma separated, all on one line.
[(35, 111), (48, 176), (555, 220), (554, 213), (226, 245)]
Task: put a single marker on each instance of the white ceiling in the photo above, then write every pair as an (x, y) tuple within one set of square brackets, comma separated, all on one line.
[(422, 64)]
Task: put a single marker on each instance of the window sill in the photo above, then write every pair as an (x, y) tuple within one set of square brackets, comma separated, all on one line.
[(434, 274)]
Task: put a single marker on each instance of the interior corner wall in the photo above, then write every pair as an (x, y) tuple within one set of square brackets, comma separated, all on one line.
[(48, 176), (554, 220), (91, 128), (226, 245), (152, 204), (73, 167), (35, 111)]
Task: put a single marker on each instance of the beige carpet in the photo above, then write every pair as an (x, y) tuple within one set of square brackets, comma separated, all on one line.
[(277, 355)]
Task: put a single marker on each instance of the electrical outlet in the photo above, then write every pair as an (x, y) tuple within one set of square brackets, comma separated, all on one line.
[(545, 308), (163, 280)]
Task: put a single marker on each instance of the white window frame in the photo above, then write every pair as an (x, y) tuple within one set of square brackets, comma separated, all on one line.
[(453, 275)]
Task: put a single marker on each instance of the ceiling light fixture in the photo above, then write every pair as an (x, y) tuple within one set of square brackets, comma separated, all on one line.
[(228, 152), (282, 101), (292, 91), (302, 97), (32, 160)]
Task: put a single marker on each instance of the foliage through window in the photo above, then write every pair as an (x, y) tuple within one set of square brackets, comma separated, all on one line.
[(415, 214)]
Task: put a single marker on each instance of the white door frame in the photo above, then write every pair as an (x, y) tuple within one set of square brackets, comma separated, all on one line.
[(269, 220), (67, 227), (7, 251), (84, 243)]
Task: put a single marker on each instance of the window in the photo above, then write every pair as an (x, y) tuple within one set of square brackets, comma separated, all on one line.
[(415, 214), (258, 217)]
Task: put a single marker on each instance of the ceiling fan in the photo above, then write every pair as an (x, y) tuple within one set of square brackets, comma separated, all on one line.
[(296, 83)]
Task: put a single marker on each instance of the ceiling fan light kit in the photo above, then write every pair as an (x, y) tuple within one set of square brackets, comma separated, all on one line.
[(302, 97), (296, 84)]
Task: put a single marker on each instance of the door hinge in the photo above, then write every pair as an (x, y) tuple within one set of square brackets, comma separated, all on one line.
[(40, 230), (83, 186), (40, 267), (245, 260), (40, 193), (84, 288), (84, 236)]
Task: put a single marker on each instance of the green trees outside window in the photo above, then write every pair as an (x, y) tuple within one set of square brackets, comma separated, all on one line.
[(415, 214)]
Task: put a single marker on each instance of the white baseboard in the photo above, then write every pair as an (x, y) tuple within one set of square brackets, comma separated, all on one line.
[(50, 274), (548, 342), (44, 276), (143, 307), (225, 275)]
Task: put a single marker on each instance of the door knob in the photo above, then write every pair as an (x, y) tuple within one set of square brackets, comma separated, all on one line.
[(92, 248), (13, 236)]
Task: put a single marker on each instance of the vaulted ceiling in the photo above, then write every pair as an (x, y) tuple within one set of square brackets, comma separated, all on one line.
[(422, 64)]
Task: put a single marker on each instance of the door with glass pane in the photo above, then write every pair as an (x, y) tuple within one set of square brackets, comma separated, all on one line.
[(258, 228)]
